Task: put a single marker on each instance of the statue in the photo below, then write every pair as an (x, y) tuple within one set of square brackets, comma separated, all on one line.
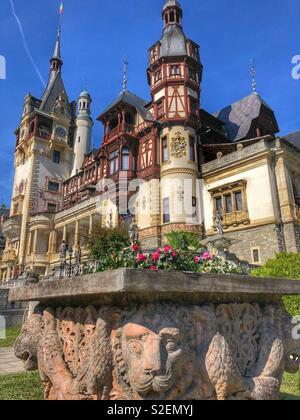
[(219, 222), (63, 252), (78, 256), (133, 233)]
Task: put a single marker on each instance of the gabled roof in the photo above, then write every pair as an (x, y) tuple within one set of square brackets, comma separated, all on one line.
[(54, 88), (239, 116), (294, 138), (129, 98)]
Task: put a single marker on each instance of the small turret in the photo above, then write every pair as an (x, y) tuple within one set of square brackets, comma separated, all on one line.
[(83, 135)]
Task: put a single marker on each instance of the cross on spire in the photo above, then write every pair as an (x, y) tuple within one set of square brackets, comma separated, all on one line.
[(253, 73), (125, 74)]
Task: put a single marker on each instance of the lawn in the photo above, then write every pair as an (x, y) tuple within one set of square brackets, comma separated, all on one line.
[(28, 387), (11, 336)]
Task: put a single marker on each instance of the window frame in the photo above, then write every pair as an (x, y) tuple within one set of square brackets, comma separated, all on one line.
[(164, 158), (166, 216), (53, 183)]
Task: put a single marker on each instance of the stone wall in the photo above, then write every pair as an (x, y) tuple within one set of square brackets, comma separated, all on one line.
[(292, 237)]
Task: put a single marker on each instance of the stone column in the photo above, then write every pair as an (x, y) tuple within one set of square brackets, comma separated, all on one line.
[(34, 249), (50, 243), (76, 236), (29, 244), (65, 233), (91, 224)]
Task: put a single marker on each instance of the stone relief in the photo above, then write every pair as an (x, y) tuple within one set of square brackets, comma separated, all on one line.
[(161, 351), (178, 146)]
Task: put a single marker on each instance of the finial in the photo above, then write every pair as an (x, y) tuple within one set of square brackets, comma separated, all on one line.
[(125, 75), (253, 73)]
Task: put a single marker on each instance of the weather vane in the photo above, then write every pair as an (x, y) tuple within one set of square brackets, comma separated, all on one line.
[(253, 73), (125, 75)]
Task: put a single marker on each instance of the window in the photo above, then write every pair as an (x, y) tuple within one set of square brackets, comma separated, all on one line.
[(157, 76), (53, 186), (194, 206), (125, 159), (172, 17), (238, 200), (255, 255), (165, 154), (231, 201), (175, 70), (228, 203), (166, 210), (56, 157), (194, 106), (219, 204), (113, 163), (192, 149), (79, 139), (160, 108), (51, 208), (192, 74)]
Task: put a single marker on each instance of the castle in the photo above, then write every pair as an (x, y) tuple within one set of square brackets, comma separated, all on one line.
[(167, 164)]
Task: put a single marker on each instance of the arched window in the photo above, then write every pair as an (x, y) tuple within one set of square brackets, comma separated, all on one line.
[(125, 159), (172, 17)]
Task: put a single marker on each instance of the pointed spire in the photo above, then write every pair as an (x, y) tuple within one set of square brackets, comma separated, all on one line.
[(56, 60), (125, 75), (253, 73)]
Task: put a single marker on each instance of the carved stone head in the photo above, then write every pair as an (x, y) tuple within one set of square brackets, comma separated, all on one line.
[(155, 355)]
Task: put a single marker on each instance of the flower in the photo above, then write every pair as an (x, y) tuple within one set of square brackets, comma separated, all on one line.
[(135, 248), (174, 255), (206, 256), (167, 248), (153, 268), (155, 256), (197, 260), (141, 257)]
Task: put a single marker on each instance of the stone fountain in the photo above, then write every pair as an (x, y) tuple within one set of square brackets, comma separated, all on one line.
[(139, 335)]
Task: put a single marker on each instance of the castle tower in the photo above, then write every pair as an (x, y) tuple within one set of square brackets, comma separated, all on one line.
[(174, 75), (84, 126)]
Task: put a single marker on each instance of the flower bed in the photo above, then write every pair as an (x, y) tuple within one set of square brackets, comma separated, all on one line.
[(166, 258)]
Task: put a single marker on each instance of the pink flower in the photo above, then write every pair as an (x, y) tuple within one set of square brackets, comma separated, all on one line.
[(153, 268), (141, 257), (135, 248), (158, 251), (197, 260), (155, 256), (167, 248), (174, 255), (206, 256)]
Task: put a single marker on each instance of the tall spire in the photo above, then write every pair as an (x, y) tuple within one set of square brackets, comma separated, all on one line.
[(56, 60), (253, 73), (125, 75)]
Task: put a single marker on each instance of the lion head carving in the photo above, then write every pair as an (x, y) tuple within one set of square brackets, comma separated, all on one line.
[(26, 346), (155, 353)]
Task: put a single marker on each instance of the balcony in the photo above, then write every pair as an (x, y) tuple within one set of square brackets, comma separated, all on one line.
[(9, 256), (235, 219), (12, 227), (124, 128)]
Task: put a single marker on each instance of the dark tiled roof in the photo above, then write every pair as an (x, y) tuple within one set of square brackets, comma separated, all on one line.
[(133, 100), (238, 117), (173, 42), (294, 138), (54, 88)]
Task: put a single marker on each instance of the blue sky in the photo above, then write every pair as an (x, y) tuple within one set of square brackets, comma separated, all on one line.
[(97, 34)]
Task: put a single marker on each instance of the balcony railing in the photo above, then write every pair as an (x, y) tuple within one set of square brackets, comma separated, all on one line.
[(124, 128)]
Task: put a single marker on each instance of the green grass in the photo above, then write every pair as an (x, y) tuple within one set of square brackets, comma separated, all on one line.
[(11, 336), (26, 386), (290, 389)]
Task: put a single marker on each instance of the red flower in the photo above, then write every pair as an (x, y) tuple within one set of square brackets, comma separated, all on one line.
[(167, 248), (141, 257), (135, 248), (155, 256), (153, 268), (197, 260), (174, 255)]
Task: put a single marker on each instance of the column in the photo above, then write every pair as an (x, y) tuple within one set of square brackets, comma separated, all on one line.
[(29, 243), (65, 233), (34, 250), (91, 225), (54, 242), (76, 236), (50, 243)]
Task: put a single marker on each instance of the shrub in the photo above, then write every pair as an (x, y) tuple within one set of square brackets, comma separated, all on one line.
[(105, 243), (184, 241), (284, 266)]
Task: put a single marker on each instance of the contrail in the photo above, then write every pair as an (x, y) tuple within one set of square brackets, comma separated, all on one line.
[(25, 43)]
